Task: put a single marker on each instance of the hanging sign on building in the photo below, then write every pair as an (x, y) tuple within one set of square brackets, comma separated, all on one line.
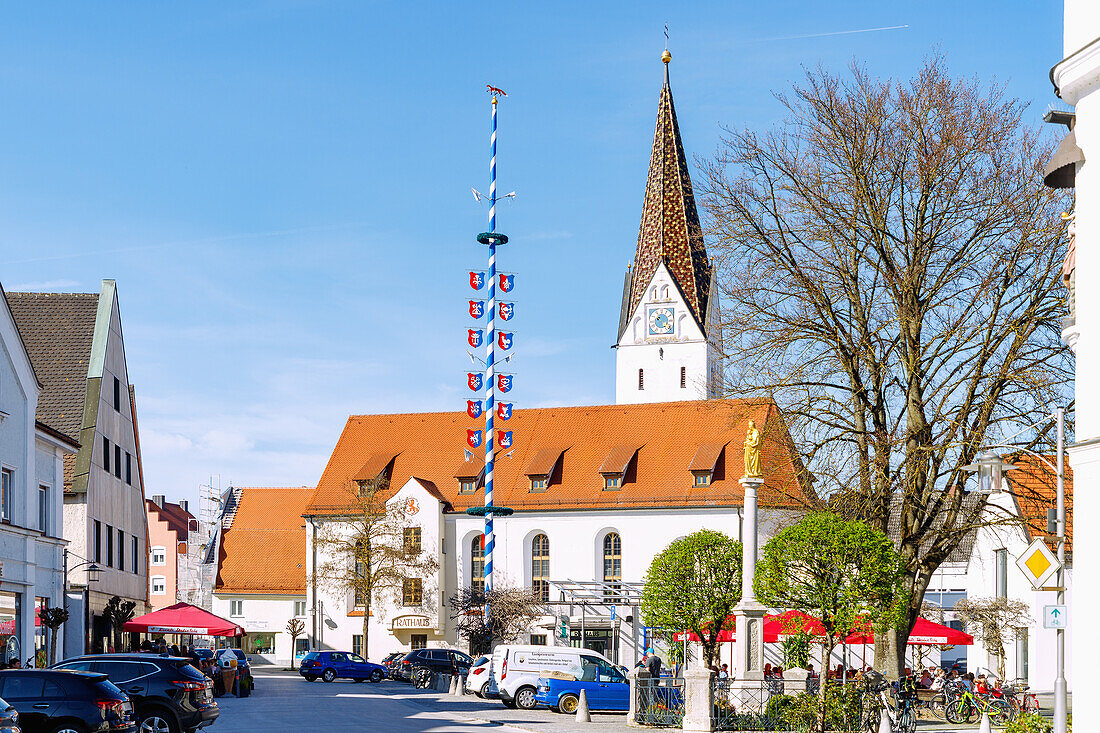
[(410, 622)]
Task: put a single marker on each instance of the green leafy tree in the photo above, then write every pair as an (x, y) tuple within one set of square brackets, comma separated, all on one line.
[(836, 569), (52, 618), (693, 585)]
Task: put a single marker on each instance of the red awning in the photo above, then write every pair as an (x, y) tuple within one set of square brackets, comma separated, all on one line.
[(924, 633), (183, 618), (775, 625)]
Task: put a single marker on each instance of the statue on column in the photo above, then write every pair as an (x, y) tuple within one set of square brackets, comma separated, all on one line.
[(752, 452)]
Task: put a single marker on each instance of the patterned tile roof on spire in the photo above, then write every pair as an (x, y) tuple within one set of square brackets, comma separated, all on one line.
[(670, 229)]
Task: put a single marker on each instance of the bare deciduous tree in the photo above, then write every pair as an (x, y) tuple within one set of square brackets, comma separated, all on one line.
[(511, 612), (995, 620), (371, 550), (294, 627), (890, 262)]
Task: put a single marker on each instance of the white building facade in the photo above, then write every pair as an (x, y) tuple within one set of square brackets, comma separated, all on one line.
[(31, 458)]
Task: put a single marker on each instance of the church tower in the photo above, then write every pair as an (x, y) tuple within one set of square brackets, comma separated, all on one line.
[(668, 341)]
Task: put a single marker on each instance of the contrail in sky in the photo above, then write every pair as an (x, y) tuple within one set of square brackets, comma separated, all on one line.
[(835, 33)]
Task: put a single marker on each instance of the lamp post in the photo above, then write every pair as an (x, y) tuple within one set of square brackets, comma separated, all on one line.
[(990, 465), (94, 572)]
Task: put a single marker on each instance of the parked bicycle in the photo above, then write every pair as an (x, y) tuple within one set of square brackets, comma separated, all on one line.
[(1019, 699), (970, 706), (880, 697), (422, 677)]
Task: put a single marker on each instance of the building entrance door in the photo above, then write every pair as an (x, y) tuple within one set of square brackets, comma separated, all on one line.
[(598, 640)]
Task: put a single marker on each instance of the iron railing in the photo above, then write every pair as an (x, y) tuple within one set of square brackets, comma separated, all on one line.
[(661, 702)]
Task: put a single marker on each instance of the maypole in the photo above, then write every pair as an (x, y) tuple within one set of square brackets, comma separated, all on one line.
[(492, 382)]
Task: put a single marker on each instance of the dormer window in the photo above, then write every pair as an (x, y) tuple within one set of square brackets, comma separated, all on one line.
[(375, 473), (543, 467), (617, 466), (467, 486), (706, 462)]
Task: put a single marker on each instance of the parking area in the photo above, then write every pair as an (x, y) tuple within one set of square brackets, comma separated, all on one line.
[(285, 702)]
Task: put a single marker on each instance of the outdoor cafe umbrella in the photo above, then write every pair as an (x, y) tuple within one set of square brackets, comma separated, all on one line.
[(924, 632), (183, 618)]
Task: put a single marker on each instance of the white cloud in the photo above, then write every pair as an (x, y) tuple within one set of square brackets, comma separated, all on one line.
[(45, 286)]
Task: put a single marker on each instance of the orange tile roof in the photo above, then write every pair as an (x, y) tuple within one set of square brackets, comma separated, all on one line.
[(429, 445), (264, 551), (1035, 487)]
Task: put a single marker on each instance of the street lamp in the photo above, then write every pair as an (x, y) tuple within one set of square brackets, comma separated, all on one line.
[(990, 469)]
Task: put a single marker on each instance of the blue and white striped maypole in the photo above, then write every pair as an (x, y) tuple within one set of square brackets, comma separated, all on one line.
[(490, 354)]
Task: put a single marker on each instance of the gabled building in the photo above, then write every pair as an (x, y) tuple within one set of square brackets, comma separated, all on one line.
[(32, 453), (76, 344), (669, 338), (597, 493), (261, 577)]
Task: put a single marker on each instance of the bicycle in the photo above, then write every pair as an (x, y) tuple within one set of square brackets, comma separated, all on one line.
[(902, 713), (1018, 697), (422, 677), (970, 706)]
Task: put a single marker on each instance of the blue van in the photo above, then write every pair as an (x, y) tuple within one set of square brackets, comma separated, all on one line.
[(605, 688)]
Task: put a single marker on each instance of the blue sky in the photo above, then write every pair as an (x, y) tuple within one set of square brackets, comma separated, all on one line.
[(281, 189)]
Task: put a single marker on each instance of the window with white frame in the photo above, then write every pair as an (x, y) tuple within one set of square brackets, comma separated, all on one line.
[(236, 607), (158, 556), (159, 584), (1001, 567), (299, 608), (44, 509), (7, 486)]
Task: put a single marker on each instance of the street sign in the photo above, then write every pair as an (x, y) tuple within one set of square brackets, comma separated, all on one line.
[(1055, 617), (612, 613), (1038, 564)]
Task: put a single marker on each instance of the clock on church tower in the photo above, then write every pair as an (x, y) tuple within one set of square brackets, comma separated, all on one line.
[(661, 321)]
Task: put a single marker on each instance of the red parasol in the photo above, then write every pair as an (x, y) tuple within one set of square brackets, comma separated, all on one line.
[(183, 618), (924, 632)]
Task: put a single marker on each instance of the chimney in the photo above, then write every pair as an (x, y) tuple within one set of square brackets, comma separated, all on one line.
[(183, 505), (158, 499)]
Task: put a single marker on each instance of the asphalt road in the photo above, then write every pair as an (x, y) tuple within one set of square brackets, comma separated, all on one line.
[(283, 702)]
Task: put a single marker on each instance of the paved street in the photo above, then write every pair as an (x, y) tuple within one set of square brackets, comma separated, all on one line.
[(285, 702)]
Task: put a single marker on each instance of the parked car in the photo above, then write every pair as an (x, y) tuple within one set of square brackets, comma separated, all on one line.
[(330, 666), (479, 675), (48, 700), (446, 661), (605, 688), (517, 669), (391, 660), (9, 718), (169, 694)]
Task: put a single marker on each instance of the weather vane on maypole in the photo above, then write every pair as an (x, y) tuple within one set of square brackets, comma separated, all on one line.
[(492, 382)]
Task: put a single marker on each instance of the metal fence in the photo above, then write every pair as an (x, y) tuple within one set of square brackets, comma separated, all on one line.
[(661, 702), (747, 708)]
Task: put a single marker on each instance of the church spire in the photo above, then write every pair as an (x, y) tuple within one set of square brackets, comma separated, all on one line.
[(670, 230)]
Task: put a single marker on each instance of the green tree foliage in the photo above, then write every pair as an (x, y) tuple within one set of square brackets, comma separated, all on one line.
[(836, 569), (694, 585)]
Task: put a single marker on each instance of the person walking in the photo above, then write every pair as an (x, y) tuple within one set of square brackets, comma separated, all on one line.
[(652, 663)]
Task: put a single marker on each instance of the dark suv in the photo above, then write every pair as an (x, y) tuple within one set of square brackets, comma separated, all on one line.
[(169, 694), (448, 661), (48, 700)]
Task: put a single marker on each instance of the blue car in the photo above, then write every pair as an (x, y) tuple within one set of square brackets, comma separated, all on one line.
[(605, 689), (330, 666)]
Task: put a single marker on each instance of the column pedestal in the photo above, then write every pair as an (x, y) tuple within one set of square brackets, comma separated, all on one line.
[(748, 646)]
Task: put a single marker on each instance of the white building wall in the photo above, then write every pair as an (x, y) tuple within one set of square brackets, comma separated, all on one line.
[(266, 614), (661, 356), (576, 553)]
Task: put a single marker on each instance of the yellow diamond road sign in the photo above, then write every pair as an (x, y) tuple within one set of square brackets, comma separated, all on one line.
[(1038, 563)]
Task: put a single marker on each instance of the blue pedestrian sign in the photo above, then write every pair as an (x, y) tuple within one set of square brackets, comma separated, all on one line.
[(1055, 617)]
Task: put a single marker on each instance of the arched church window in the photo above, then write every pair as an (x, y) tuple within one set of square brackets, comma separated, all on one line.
[(477, 564), (540, 566)]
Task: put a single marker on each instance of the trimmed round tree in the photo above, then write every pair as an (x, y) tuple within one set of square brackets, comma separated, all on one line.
[(836, 569), (693, 585)]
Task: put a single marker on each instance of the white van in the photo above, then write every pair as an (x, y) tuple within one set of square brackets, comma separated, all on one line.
[(517, 669)]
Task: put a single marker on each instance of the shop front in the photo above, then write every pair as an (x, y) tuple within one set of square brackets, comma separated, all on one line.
[(11, 622)]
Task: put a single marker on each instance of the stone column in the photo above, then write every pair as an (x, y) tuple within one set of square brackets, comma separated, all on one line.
[(748, 645), (698, 700), (639, 693)]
